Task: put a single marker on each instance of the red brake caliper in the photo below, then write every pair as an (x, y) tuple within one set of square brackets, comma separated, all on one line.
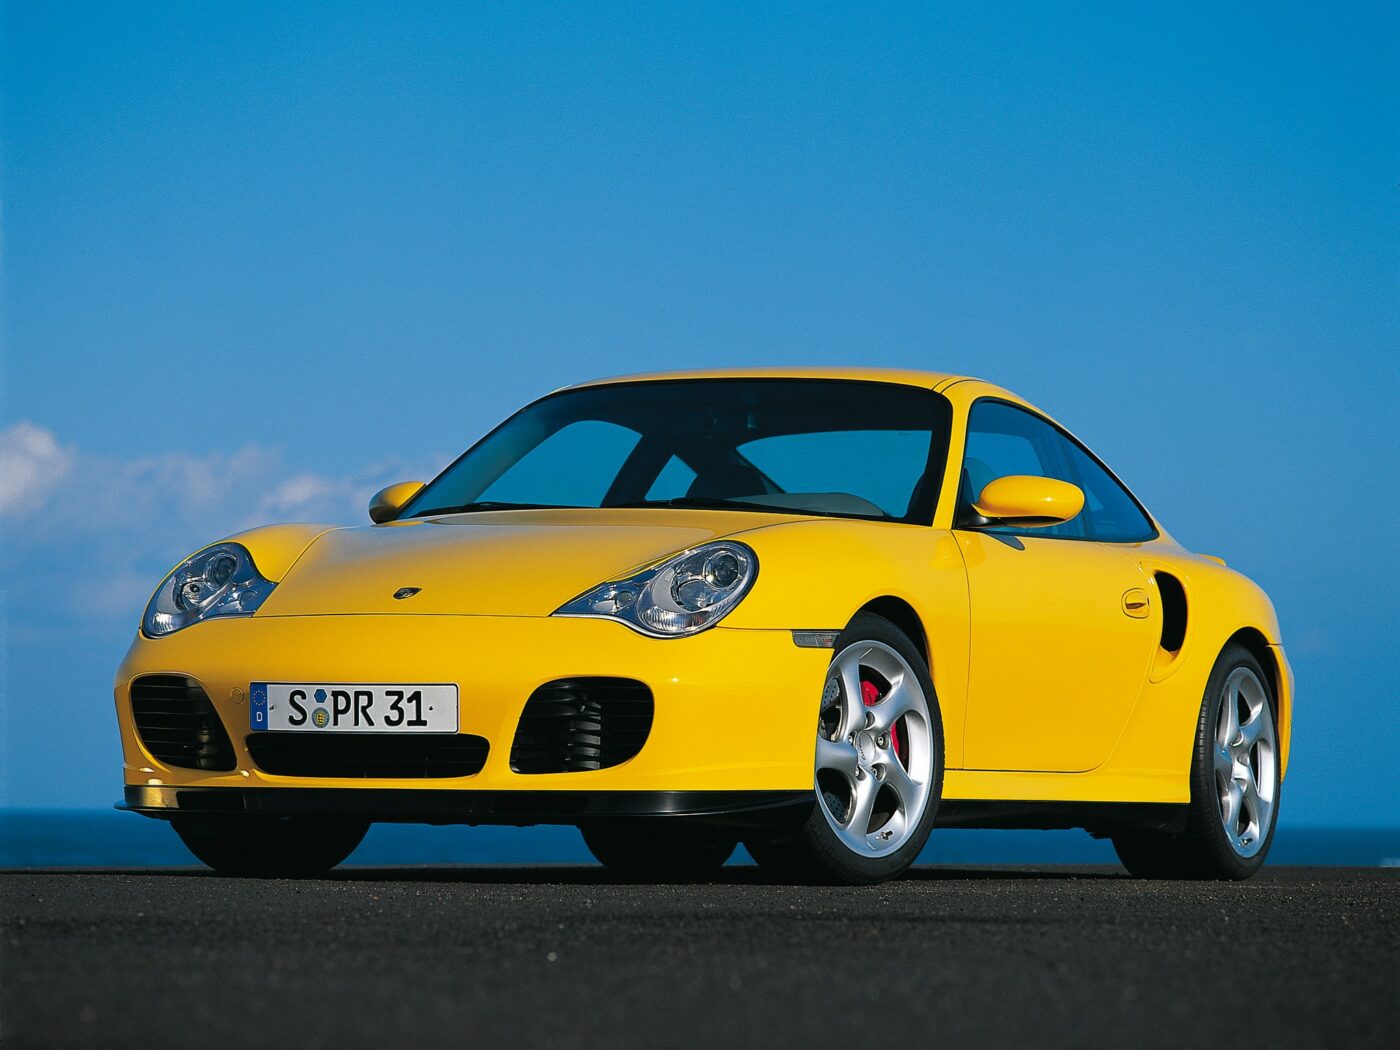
[(870, 693)]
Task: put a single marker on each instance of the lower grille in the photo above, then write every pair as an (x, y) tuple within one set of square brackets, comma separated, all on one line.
[(178, 725), (581, 723), (415, 757)]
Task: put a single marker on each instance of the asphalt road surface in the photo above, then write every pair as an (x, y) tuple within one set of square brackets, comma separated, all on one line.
[(414, 957)]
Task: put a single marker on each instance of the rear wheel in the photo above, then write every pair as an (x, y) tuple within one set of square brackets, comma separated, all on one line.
[(1234, 783), (665, 849), (879, 765), (270, 847)]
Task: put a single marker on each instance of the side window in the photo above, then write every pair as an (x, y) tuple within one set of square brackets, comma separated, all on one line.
[(575, 466), (1110, 514), (1003, 439)]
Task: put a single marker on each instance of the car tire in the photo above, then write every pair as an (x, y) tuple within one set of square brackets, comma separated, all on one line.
[(259, 846), (840, 841), (663, 850), (1234, 783)]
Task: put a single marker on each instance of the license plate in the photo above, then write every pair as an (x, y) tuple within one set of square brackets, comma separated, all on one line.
[(321, 707)]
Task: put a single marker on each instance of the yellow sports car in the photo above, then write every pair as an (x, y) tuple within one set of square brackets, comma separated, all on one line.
[(815, 611)]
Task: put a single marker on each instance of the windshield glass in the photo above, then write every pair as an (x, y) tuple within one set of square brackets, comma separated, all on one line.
[(796, 446)]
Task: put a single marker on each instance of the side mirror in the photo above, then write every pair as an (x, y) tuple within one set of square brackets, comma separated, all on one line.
[(1028, 502), (386, 503)]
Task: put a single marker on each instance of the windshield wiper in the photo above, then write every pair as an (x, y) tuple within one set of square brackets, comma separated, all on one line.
[(486, 504)]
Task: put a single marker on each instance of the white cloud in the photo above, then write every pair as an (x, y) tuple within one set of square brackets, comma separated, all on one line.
[(107, 527), (298, 494), (32, 464)]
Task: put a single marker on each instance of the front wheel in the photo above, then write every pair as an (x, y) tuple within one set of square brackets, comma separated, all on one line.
[(1234, 783), (662, 849), (878, 765), (263, 846)]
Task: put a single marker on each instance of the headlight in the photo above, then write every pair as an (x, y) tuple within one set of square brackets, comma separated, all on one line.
[(682, 595), (218, 581)]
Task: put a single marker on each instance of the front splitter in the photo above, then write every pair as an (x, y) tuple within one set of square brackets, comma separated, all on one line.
[(434, 806)]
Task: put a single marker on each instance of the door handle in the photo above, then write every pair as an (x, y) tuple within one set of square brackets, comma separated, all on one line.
[(1136, 603)]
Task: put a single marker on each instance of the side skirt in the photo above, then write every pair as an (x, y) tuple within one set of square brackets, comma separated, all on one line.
[(1097, 818)]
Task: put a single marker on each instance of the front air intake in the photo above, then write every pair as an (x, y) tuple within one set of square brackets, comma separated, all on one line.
[(576, 724), (412, 756), (178, 725)]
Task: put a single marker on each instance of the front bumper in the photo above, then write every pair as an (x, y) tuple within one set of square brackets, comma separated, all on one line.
[(734, 709)]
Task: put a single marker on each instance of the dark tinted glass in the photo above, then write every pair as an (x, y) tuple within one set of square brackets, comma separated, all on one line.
[(797, 446), (1111, 515), (1003, 440)]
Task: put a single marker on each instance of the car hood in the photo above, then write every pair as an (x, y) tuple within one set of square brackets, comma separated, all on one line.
[(502, 563)]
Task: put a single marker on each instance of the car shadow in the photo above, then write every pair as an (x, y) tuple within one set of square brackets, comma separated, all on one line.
[(593, 875)]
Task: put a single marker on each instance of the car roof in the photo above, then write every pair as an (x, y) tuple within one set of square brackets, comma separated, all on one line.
[(901, 376)]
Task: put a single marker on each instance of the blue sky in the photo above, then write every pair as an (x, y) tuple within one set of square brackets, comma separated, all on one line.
[(261, 258)]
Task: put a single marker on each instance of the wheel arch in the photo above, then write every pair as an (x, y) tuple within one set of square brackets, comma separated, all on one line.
[(902, 615), (1253, 639), (1257, 643)]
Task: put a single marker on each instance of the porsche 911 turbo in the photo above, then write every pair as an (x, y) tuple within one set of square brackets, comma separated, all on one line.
[(819, 612)]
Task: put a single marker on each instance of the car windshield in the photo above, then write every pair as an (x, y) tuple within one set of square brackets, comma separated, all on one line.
[(835, 448)]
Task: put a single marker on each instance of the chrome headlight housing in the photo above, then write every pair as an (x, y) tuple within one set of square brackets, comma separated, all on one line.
[(680, 596), (218, 581)]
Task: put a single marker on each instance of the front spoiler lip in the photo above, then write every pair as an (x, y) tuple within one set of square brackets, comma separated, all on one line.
[(446, 806)]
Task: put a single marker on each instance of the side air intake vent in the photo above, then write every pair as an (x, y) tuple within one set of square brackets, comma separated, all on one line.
[(581, 723), (1173, 612), (178, 725)]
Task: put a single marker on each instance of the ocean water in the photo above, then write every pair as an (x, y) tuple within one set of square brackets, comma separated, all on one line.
[(108, 838)]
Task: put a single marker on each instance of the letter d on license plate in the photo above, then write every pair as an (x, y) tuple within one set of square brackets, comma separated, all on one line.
[(340, 707)]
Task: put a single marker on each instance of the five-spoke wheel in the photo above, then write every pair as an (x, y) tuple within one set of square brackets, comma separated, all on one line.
[(1245, 761), (1234, 783), (878, 766), (874, 762)]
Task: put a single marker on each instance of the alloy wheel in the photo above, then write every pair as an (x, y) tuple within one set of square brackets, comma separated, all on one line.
[(1246, 762), (874, 767)]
